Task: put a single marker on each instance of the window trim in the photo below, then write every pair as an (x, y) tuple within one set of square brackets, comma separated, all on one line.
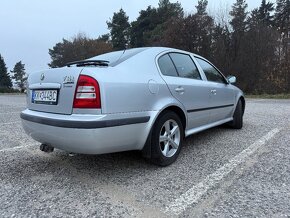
[(178, 75), (203, 59), (171, 62)]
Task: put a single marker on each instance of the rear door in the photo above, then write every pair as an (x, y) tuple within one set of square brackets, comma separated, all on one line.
[(53, 90), (186, 84), (222, 99)]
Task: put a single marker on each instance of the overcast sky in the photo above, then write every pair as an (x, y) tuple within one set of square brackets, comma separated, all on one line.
[(30, 27)]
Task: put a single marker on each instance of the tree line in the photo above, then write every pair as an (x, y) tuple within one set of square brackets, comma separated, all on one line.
[(252, 45), (18, 74)]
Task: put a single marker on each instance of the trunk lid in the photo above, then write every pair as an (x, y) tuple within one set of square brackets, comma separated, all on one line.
[(45, 84)]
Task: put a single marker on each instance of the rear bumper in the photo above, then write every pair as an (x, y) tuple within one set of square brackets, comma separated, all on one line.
[(89, 134), (80, 124)]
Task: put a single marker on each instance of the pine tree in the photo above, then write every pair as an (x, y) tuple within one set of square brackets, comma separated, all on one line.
[(261, 16), (141, 28), (19, 75), (167, 10), (282, 20), (282, 16), (201, 7), (119, 28), (239, 25), (260, 44), (239, 16), (151, 24), (5, 80), (221, 46), (265, 13), (165, 13), (205, 28)]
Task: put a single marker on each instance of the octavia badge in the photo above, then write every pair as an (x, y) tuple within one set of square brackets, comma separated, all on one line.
[(68, 80)]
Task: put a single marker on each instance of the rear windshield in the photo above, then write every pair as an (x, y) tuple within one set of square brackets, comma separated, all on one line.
[(118, 57)]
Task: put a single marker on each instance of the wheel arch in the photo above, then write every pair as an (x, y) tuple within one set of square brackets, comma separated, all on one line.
[(178, 111), (146, 151), (242, 98)]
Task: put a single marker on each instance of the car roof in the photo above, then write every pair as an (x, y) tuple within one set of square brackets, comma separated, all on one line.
[(116, 57)]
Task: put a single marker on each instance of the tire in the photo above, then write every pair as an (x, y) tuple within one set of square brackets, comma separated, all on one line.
[(237, 122), (166, 139)]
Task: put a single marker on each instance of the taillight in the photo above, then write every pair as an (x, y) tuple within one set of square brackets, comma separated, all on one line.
[(87, 93)]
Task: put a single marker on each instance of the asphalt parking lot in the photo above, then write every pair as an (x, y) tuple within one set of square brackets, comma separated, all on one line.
[(220, 173)]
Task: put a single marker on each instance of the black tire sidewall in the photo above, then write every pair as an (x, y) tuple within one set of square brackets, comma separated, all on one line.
[(157, 156), (238, 116)]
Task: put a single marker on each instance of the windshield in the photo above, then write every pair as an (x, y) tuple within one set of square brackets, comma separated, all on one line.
[(117, 57)]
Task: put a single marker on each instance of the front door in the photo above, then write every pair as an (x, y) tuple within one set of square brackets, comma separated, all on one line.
[(222, 99)]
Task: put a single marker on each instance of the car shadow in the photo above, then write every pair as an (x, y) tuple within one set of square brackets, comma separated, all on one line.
[(120, 167)]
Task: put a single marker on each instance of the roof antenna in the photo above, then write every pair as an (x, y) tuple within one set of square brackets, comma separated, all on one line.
[(125, 49)]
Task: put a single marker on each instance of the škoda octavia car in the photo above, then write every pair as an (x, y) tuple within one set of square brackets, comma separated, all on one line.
[(146, 99)]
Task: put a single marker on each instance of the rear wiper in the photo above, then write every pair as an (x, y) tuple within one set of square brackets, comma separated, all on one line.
[(89, 63)]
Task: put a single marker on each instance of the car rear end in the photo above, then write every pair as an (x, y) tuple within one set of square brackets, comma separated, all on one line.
[(67, 109)]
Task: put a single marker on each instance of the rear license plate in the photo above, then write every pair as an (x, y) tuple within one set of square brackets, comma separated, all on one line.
[(44, 97)]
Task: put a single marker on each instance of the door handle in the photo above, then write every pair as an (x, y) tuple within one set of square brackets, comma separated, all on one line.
[(179, 89), (213, 91)]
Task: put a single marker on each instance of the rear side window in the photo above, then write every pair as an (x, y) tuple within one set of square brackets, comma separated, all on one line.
[(210, 72), (185, 66), (166, 66)]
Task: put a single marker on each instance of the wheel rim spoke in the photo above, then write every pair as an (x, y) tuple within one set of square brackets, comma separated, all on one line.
[(166, 149), (174, 145), (169, 138), (174, 130), (167, 127), (163, 138)]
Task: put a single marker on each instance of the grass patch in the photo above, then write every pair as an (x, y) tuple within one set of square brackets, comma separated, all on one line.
[(270, 96)]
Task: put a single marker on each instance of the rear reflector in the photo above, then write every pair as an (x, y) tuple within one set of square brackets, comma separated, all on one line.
[(87, 93)]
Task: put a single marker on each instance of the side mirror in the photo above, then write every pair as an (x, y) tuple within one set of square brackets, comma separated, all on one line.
[(232, 79)]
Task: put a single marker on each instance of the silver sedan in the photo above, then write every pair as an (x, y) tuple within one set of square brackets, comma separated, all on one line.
[(146, 99)]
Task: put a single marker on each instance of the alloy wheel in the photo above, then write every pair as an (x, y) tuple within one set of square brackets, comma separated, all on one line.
[(169, 138)]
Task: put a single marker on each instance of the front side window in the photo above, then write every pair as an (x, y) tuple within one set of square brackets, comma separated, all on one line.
[(185, 66), (166, 66), (210, 72)]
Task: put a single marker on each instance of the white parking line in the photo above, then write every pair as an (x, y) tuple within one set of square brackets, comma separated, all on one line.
[(194, 194), (17, 148), (10, 123)]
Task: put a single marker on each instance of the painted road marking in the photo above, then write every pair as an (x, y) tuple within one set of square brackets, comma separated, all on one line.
[(194, 194)]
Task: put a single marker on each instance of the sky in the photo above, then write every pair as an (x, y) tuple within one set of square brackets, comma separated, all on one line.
[(30, 27)]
